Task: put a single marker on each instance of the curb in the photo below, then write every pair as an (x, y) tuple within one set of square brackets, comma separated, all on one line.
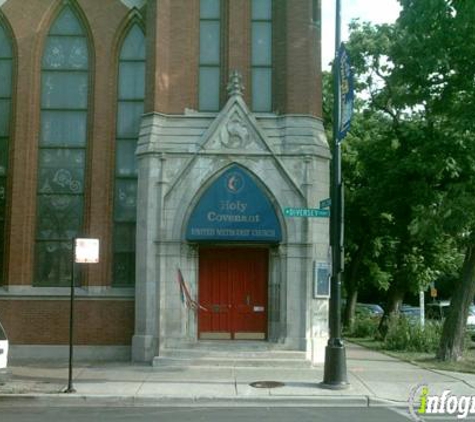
[(380, 402), (68, 400), (61, 400)]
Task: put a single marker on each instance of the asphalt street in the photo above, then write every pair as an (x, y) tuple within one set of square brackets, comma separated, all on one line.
[(261, 414)]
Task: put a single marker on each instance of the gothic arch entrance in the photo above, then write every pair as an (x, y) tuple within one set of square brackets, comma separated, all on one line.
[(235, 223)]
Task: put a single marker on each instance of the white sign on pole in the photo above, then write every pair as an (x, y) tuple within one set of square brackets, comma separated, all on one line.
[(86, 251), (422, 307)]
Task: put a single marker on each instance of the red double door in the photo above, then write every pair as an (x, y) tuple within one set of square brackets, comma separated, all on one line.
[(233, 290)]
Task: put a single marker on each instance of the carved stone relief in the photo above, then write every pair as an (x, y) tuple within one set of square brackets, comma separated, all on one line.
[(236, 134)]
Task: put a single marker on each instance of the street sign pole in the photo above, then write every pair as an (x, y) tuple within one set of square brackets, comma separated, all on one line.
[(335, 373), (70, 388), (83, 251)]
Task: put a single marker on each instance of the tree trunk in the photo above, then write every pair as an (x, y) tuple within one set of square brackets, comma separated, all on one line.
[(349, 315), (395, 298), (453, 332), (352, 283)]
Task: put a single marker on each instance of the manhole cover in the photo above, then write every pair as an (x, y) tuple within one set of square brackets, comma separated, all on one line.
[(266, 384)]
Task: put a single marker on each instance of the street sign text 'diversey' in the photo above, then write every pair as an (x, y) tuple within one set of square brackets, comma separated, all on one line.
[(306, 212)]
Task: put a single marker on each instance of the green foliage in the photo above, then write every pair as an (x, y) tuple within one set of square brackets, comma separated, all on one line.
[(408, 335), (363, 326), (409, 159)]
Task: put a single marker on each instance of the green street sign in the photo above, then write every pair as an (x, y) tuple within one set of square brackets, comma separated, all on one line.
[(306, 212), (325, 203)]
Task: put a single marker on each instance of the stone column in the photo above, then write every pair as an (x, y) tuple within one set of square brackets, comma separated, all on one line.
[(147, 292)]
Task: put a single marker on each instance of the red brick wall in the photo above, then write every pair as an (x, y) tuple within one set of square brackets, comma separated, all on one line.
[(30, 22), (238, 46), (172, 77), (297, 55), (172, 86), (173, 49), (46, 322)]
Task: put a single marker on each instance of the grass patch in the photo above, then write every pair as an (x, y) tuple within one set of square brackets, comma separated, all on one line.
[(422, 359)]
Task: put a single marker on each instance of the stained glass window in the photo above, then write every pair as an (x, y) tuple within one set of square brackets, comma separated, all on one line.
[(62, 148), (210, 55), (5, 111), (261, 57), (131, 94)]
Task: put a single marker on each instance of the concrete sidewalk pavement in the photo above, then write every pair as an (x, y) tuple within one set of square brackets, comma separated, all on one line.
[(375, 379)]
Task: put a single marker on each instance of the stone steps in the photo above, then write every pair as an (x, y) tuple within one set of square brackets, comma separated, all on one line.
[(202, 357)]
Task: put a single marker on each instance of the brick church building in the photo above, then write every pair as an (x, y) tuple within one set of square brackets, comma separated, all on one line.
[(177, 132)]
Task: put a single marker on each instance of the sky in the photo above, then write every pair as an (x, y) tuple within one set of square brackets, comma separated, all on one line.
[(376, 11)]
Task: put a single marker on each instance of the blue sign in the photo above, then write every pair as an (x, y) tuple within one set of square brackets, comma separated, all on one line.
[(321, 279), (234, 208), (346, 92)]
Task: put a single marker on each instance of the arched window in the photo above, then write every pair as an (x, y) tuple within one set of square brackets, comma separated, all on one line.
[(5, 114), (210, 55), (62, 148), (131, 94), (261, 57)]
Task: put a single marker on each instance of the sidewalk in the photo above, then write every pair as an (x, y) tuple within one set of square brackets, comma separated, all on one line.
[(375, 380)]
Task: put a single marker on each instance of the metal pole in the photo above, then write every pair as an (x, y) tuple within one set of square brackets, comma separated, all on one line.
[(335, 374), (70, 388), (422, 307)]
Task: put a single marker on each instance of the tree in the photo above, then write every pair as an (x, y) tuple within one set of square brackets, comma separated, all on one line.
[(381, 251), (362, 243), (419, 77), (434, 63), (367, 238), (386, 180)]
